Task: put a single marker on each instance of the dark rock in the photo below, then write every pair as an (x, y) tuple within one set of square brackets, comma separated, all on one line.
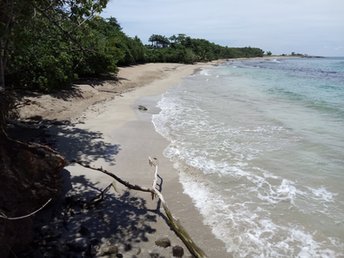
[(84, 231), (94, 241), (52, 234), (62, 247), (138, 251), (177, 251), (37, 254), (119, 255), (108, 250), (52, 252), (163, 242), (154, 255), (78, 244), (142, 108), (62, 122), (46, 230), (127, 247), (36, 118), (92, 251)]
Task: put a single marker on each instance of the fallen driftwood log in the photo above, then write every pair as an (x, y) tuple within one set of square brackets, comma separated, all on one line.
[(172, 221)]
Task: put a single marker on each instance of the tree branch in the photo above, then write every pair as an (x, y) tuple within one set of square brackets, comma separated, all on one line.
[(125, 183), (171, 220)]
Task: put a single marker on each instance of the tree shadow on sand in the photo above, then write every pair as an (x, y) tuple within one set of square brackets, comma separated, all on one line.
[(78, 227), (100, 81), (79, 143), (73, 143), (75, 225), (65, 94)]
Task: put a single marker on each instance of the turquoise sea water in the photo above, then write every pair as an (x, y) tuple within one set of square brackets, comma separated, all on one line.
[(259, 146)]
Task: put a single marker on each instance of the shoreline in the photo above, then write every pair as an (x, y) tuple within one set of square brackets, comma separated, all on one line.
[(120, 138), (134, 131)]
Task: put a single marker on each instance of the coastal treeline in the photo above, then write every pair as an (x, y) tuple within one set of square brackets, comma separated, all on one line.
[(46, 45), (184, 49)]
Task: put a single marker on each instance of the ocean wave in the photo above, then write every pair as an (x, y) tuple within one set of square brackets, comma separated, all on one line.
[(254, 179), (251, 232)]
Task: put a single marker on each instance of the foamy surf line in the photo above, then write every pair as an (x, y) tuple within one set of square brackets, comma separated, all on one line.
[(237, 199), (247, 233)]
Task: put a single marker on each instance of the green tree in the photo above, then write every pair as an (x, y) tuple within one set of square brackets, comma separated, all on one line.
[(45, 36), (159, 41), (185, 49)]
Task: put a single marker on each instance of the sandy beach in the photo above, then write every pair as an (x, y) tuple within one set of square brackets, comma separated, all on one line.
[(108, 130)]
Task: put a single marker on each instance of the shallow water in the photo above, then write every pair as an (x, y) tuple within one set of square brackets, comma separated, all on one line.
[(259, 146)]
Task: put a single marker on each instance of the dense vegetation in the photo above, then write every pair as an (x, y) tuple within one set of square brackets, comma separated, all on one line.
[(182, 48), (46, 45)]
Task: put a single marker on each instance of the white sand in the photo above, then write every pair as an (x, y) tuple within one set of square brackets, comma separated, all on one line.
[(124, 141)]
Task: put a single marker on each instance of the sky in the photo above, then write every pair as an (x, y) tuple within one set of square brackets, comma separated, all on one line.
[(314, 27)]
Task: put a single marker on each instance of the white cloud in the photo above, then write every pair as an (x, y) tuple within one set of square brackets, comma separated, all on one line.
[(279, 25)]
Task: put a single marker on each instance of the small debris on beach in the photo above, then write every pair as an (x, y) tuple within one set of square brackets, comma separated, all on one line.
[(163, 242), (177, 251), (142, 108)]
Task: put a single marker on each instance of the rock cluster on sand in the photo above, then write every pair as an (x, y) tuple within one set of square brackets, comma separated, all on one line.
[(78, 227)]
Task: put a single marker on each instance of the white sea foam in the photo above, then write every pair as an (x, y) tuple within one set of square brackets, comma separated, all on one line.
[(250, 233), (275, 61), (252, 178), (205, 72), (198, 156), (322, 194)]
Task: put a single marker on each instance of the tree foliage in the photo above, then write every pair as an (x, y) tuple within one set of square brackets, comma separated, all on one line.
[(38, 37), (47, 44), (159, 41), (184, 49)]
